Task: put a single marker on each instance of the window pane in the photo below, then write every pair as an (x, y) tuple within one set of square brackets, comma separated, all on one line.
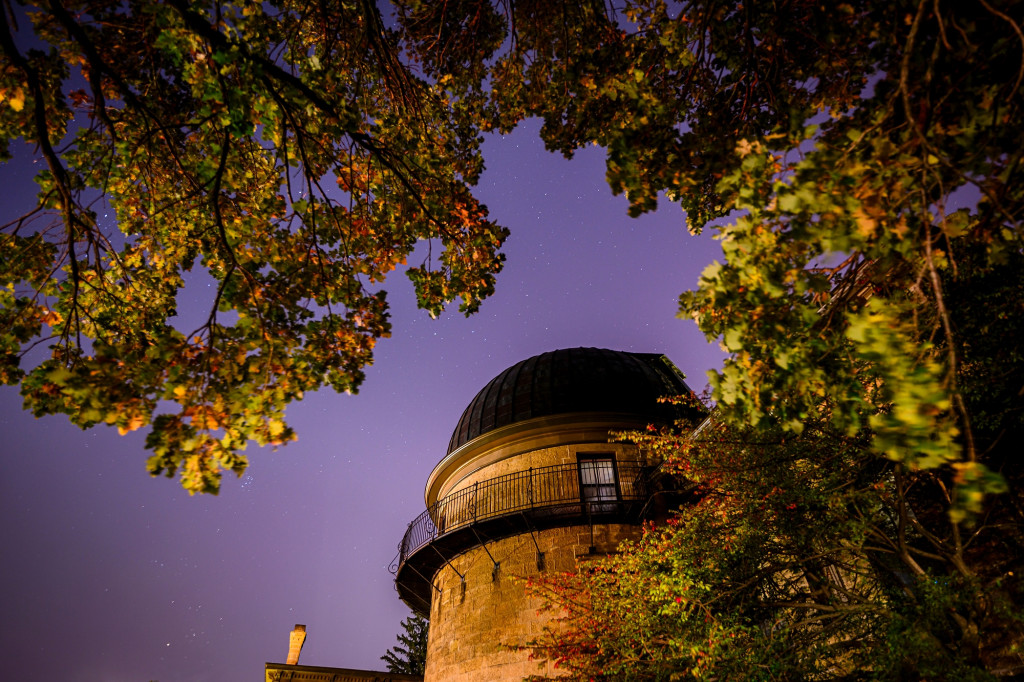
[(597, 479)]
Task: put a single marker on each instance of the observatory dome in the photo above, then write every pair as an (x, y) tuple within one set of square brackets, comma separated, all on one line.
[(573, 380)]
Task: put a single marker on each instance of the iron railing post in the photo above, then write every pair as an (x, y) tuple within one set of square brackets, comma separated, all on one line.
[(529, 487)]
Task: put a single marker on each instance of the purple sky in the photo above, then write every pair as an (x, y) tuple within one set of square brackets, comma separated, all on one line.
[(109, 575)]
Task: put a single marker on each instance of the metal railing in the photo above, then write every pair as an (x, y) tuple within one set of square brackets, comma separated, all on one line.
[(543, 491)]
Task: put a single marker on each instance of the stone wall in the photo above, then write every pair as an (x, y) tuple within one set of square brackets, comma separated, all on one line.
[(474, 623), (479, 615)]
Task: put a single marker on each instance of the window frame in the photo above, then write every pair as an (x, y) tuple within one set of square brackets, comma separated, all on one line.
[(601, 499)]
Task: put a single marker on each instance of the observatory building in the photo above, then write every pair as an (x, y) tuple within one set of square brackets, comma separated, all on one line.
[(530, 484)]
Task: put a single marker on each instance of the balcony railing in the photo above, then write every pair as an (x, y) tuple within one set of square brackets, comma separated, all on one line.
[(541, 493)]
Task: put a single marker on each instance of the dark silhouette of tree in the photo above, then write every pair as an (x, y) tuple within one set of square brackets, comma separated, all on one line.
[(410, 656)]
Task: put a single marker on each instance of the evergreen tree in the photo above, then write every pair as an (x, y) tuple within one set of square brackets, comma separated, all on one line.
[(410, 656)]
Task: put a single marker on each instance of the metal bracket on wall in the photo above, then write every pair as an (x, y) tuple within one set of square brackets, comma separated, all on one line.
[(445, 559), (495, 565), (540, 554), (423, 601), (429, 582)]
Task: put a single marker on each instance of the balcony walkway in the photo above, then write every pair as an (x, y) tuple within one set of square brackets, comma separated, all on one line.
[(507, 505)]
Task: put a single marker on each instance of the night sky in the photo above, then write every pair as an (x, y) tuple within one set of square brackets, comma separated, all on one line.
[(109, 574)]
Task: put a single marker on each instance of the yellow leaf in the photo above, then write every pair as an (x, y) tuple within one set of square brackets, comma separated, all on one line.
[(17, 100), (275, 427), (865, 224), (744, 148), (51, 317), (134, 423)]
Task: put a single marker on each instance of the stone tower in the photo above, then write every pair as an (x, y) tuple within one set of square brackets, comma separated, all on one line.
[(530, 484)]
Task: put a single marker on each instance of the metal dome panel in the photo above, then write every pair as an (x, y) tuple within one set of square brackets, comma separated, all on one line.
[(573, 380)]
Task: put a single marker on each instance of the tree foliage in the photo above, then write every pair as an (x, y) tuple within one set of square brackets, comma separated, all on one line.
[(857, 510), (860, 163), (828, 147), (282, 149), (411, 657), (795, 557)]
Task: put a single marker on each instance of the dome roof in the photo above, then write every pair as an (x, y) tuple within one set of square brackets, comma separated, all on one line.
[(573, 380)]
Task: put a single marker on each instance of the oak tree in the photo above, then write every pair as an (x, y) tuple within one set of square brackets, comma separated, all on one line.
[(284, 151)]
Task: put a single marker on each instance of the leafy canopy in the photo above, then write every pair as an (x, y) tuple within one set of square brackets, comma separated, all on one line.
[(282, 149), (861, 164), (824, 145), (794, 558), (857, 511), (849, 157)]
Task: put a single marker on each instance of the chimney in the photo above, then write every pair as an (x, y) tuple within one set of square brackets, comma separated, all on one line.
[(295, 641)]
